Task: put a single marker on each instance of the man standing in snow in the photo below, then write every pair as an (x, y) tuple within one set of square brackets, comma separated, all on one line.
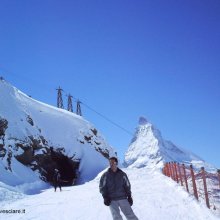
[(116, 191), (56, 179)]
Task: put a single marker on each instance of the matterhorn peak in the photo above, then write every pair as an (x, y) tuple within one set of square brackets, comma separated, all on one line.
[(149, 149), (145, 128), (143, 121)]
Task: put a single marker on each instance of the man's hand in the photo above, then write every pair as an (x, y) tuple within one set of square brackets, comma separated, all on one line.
[(107, 201), (130, 200)]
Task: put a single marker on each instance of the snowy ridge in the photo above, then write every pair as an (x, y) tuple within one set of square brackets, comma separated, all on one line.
[(29, 127), (148, 148)]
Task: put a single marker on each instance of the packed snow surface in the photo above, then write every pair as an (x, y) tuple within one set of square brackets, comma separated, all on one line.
[(155, 197)]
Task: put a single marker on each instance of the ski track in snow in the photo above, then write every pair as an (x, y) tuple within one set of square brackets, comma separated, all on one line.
[(155, 197)]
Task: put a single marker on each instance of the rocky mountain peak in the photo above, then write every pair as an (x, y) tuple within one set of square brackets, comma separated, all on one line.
[(149, 149), (143, 121)]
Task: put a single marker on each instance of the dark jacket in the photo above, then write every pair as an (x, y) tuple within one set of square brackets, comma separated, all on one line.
[(115, 185), (56, 177)]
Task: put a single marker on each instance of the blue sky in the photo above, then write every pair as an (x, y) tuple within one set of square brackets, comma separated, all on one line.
[(125, 59)]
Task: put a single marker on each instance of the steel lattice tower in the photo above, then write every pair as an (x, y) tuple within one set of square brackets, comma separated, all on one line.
[(78, 108), (70, 105), (59, 98)]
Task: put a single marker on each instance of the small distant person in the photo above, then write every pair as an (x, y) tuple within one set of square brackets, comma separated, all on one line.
[(56, 179), (116, 191)]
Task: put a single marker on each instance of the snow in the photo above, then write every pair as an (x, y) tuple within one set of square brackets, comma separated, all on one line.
[(148, 148), (155, 197), (61, 129)]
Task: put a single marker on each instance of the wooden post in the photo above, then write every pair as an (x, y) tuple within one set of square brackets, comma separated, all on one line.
[(175, 168), (194, 182), (171, 169), (205, 187), (184, 172), (180, 175), (167, 170)]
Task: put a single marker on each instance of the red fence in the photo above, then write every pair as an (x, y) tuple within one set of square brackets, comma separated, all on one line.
[(203, 185)]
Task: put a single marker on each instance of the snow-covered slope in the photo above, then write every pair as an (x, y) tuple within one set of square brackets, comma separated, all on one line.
[(148, 148), (31, 132), (84, 202), (36, 137)]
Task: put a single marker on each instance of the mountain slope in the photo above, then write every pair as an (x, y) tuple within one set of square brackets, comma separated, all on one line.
[(148, 148), (85, 201), (35, 138)]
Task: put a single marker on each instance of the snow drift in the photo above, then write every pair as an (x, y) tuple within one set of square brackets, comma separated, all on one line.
[(35, 138)]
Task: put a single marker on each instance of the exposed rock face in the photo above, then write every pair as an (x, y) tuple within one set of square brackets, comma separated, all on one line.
[(37, 155), (30, 120), (92, 138), (3, 126)]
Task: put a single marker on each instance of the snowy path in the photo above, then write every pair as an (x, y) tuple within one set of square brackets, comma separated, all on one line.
[(155, 198)]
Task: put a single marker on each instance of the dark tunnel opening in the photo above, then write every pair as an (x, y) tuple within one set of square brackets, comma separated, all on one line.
[(67, 170), (67, 167)]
